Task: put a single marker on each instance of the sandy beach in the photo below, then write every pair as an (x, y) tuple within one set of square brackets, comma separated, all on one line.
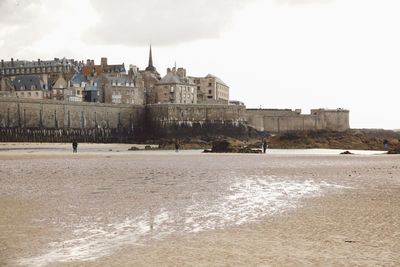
[(109, 208)]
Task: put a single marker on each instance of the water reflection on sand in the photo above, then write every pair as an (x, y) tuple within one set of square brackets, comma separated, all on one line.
[(93, 206)]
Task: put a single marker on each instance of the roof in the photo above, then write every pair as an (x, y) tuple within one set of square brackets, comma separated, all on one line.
[(78, 78), (174, 78), (114, 68), (216, 78), (99, 82), (43, 63), (86, 70), (122, 80), (28, 82)]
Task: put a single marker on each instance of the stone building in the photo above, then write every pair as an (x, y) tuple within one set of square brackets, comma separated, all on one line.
[(59, 88), (211, 90), (122, 90), (150, 78), (78, 83), (176, 88), (24, 67), (30, 86)]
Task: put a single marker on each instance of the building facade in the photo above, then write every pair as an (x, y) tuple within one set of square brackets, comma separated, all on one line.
[(31, 87), (176, 88), (211, 90), (24, 67)]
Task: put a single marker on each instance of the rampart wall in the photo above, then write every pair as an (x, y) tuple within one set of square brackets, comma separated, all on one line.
[(49, 120), (276, 121), (58, 121), (191, 120)]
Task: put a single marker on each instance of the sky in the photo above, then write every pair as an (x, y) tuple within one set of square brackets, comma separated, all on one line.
[(272, 53)]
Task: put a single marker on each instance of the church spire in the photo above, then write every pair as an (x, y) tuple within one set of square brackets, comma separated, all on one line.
[(150, 67)]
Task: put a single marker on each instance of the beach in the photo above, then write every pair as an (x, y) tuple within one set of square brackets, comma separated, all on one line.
[(107, 206)]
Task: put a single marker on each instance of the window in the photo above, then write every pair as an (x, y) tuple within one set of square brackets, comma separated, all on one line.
[(209, 91), (54, 91), (37, 93), (29, 94), (209, 84)]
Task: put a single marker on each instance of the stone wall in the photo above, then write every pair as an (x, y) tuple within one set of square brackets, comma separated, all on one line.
[(177, 120), (283, 120), (59, 121), (68, 120)]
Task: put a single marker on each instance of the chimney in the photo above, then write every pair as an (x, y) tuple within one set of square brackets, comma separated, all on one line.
[(38, 61), (182, 72), (104, 62), (174, 70), (92, 62), (2, 63), (88, 62), (168, 70), (12, 62)]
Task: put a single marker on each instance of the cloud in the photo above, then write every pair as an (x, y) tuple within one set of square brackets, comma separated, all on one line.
[(301, 2), (32, 28), (140, 22), (16, 12)]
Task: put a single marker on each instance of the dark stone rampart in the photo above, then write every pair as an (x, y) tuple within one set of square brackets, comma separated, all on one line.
[(23, 120)]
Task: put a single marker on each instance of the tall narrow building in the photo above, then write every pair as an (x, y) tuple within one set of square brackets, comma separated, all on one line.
[(150, 78), (150, 67)]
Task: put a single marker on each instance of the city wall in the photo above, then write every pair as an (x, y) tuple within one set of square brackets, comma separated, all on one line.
[(182, 120), (284, 120), (53, 121), (58, 121)]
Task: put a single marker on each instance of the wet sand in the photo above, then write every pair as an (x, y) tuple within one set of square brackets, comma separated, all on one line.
[(169, 209)]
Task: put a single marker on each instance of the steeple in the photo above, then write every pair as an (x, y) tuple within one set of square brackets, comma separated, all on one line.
[(150, 67)]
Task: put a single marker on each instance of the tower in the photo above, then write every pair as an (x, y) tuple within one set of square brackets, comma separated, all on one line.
[(150, 67)]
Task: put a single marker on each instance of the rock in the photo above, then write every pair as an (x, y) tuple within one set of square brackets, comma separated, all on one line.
[(222, 146), (347, 153), (395, 150), (249, 150), (133, 148)]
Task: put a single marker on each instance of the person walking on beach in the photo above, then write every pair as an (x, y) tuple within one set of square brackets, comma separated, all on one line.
[(264, 145), (385, 143), (75, 146), (176, 145)]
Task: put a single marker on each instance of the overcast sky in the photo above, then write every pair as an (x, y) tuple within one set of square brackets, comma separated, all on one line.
[(272, 53)]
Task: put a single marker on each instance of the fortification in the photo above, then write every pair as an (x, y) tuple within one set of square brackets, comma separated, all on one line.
[(58, 121), (49, 120), (193, 120), (283, 120)]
